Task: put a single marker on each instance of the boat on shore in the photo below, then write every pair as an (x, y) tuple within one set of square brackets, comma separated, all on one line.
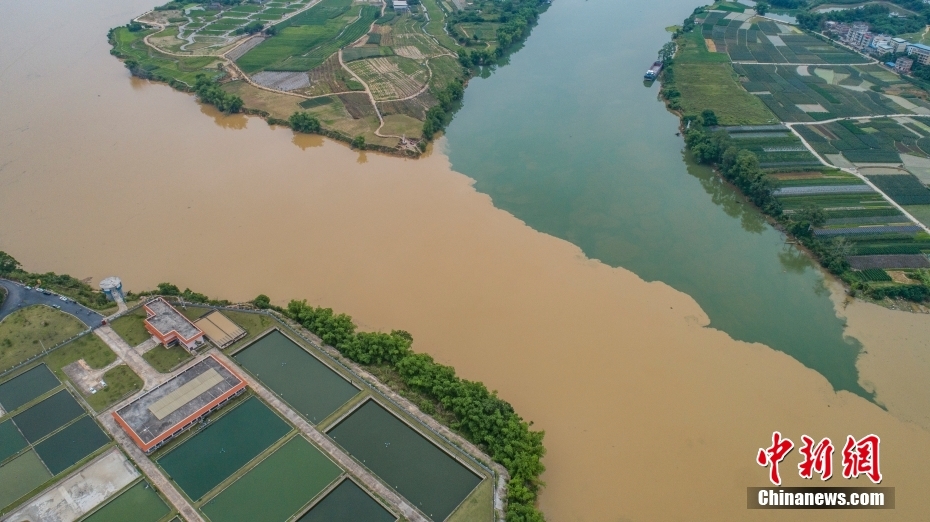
[(653, 71)]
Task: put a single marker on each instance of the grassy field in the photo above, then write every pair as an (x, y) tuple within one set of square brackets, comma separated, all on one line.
[(478, 506), (132, 328), (308, 40), (88, 347), (129, 45), (121, 381), (254, 324), (714, 86), (29, 331), (165, 359)]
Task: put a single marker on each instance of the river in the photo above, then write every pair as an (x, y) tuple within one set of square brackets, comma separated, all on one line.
[(520, 251)]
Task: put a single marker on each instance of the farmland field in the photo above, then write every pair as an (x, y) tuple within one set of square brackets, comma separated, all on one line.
[(714, 85)]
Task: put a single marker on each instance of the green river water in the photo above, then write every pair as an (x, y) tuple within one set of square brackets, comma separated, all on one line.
[(568, 139)]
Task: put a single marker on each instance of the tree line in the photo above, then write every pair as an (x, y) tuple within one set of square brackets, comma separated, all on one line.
[(480, 415), (438, 116), (210, 92), (63, 284)]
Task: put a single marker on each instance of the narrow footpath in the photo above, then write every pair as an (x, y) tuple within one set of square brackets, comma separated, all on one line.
[(150, 469), (409, 512), (131, 357)]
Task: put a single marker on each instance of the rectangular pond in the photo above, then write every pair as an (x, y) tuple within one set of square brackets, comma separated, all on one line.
[(431, 479), (20, 476), (308, 385), (347, 502), (140, 503), (48, 415), (277, 487), (26, 386), (11, 441), (200, 463), (65, 448)]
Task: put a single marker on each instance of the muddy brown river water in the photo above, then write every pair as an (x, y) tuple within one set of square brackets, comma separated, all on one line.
[(649, 415)]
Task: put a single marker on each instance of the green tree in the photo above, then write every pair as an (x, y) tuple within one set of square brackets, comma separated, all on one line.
[(262, 301), (8, 263), (709, 118), (762, 8), (304, 122), (359, 143), (168, 289)]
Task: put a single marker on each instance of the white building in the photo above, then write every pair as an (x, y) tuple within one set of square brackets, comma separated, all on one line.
[(900, 44), (400, 6), (921, 52)]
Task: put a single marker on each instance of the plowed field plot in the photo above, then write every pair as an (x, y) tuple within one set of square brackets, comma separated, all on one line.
[(414, 107), (391, 78), (277, 487), (200, 463), (26, 386), (327, 78)]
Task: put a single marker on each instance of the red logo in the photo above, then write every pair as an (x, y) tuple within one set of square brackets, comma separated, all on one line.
[(819, 459), (859, 457), (774, 454)]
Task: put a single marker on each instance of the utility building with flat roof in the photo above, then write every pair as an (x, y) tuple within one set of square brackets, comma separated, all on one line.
[(219, 329), (170, 326), (161, 414)]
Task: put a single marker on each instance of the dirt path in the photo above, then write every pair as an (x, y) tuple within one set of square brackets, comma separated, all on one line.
[(855, 171)]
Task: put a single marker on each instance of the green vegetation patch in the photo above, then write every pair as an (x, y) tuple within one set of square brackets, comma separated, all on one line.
[(304, 47), (72, 444), (165, 359), (48, 415), (89, 347), (347, 501), (278, 487), (713, 86), (121, 381), (131, 327), (200, 463), (20, 476), (140, 503), (316, 102), (26, 386), (28, 332), (350, 54), (904, 189), (143, 62), (303, 381)]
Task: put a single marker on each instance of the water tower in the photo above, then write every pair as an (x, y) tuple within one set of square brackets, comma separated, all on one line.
[(113, 288)]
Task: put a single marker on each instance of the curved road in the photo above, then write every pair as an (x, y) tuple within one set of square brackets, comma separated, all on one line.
[(18, 296)]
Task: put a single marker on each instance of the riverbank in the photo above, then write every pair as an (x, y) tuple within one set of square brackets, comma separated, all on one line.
[(847, 214), (487, 258)]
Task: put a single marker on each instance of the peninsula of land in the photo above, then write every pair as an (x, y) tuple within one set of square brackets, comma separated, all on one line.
[(379, 74)]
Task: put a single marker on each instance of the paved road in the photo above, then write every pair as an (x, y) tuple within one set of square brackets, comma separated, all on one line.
[(19, 297)]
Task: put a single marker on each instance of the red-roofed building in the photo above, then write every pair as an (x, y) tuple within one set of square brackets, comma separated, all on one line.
[(170, 326)]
